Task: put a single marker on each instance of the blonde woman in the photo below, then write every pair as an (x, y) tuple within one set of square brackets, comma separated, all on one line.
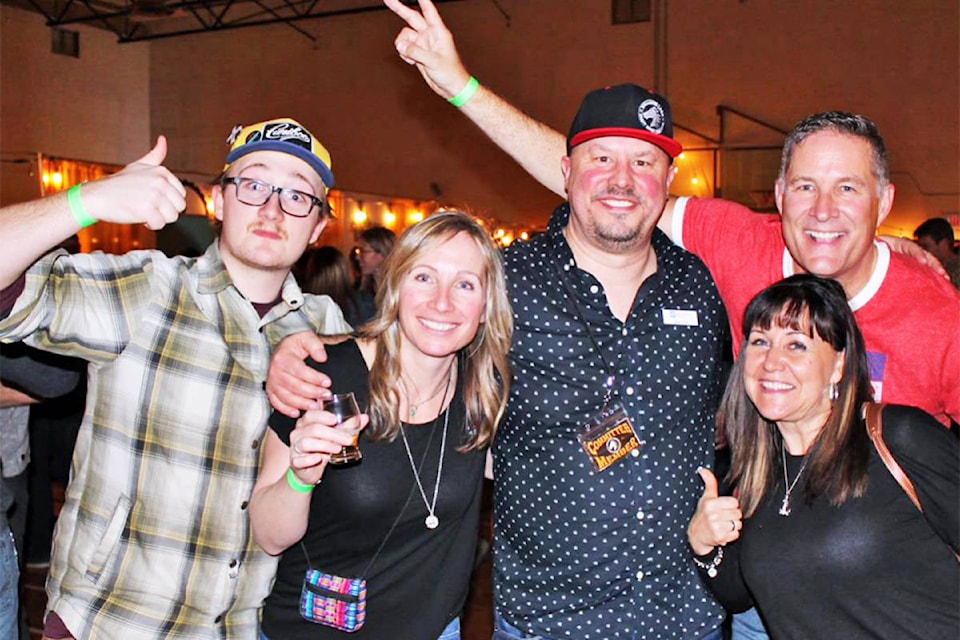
[(431, 371)]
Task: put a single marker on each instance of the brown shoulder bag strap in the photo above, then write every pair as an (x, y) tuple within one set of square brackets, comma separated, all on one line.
[(874, 415)]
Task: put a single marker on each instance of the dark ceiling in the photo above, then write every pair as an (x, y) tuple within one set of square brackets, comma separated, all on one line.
[(138, 20)]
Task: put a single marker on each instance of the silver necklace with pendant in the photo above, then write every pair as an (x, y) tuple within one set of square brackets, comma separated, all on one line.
[(785, 505), (431, 521), (412, 407)]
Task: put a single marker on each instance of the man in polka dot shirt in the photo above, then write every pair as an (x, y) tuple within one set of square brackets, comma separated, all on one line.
[(604, 301)]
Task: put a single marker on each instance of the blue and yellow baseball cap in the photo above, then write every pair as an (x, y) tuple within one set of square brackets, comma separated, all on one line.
[(285, 135)]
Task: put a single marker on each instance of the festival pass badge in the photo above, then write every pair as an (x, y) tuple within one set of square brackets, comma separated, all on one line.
[(609, 438)]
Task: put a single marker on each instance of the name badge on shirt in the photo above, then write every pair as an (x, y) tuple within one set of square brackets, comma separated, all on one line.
[(609, 438), (680, 317)]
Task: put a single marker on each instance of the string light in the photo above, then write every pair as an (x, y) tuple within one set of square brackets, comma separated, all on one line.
[(54, 179)]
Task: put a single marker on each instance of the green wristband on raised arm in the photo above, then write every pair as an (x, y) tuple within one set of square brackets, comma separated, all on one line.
[(466, 93), (79, 212)]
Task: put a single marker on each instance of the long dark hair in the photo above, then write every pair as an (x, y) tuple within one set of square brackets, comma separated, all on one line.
[(837, 462)]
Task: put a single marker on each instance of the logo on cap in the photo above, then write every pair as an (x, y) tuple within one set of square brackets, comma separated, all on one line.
[(286, 132), (284, 135), (651, 115)]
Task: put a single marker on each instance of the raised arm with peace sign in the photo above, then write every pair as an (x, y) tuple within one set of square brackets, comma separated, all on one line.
[(427, 43)]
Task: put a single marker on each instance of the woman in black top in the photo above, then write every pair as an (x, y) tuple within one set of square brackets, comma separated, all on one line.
[(432, 372), (821, 537)]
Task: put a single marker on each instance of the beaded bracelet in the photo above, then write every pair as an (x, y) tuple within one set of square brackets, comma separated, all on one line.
[(295, 483), (710, 567)]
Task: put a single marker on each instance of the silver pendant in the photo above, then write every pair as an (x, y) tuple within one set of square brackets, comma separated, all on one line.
[(712, 572), (432, 521), (785, 506)]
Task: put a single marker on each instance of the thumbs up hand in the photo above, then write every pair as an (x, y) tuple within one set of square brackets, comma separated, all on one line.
[(142, 192), (711, 487), (717, 520)]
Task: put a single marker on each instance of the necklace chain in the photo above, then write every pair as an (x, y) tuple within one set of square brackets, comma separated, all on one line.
[(413, 406), (431, 521), (785, 505)]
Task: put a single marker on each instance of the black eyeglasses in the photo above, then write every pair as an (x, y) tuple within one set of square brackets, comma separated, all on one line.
[(257, 193)]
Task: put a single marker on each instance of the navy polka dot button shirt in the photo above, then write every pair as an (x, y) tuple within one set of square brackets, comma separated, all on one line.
[(588, 555)]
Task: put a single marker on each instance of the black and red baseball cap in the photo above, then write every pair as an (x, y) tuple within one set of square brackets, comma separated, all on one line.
[(625, 110)]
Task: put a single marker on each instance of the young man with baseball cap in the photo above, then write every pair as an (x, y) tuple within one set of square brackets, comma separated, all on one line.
[(154, 540)]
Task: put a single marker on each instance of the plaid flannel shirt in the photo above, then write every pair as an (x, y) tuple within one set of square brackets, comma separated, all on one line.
[(154, 538)]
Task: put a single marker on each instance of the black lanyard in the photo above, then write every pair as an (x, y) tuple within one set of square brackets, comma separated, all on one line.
[(609, 383)]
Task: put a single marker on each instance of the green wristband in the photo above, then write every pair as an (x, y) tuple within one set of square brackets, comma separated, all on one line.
[(466, 93), (79, 212), (295, 483)]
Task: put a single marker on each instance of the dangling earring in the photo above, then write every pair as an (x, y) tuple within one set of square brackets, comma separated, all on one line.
[(834, 392)]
